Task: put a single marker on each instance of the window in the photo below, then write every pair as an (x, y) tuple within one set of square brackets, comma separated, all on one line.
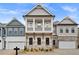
[(30, 24), (30, 41), (47, 41), (72, 30), (21, 31), (39, 41), (10, 31), (39, 24), (15, 31), (47, 24), (67, 31), (61, 30), (53, 42)]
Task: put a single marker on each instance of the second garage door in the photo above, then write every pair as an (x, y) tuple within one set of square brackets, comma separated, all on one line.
[(67, 44)]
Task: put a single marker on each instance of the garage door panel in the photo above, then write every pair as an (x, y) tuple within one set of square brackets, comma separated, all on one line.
[(67, 44), (13, 45)]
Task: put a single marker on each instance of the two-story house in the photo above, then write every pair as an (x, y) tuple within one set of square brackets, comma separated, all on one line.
[(38, 28), (15, 34), (12, 35), (66, 32), (2, 35)]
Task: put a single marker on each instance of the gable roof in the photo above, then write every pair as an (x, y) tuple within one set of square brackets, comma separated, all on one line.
[(2, 25), (14, 23), (67, 21), (38, 12)]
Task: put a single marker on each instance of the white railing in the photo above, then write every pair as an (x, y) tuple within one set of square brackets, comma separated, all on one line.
[(47, 29), (38, 29), (29, 29)]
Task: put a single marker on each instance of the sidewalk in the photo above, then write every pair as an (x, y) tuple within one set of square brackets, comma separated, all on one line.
[(55, 52)]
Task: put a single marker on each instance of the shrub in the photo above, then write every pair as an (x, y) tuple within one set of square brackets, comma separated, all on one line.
[(36, 50), (27, 50), (50, 49), (46, 50), (39, 49), (42, 49), (31, 49)]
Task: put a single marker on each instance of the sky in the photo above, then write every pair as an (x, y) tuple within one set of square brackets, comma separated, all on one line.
[(10, 10)]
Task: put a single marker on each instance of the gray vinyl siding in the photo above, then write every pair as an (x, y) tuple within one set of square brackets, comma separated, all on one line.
[(16, 31), (3, 32), (0, 31), (21, 31)]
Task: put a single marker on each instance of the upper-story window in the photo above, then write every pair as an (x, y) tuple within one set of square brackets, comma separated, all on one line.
[(72, 30), (10, 31), (67, 30), (15, 31), (47, 25), (38, 25), (61, 30), (21, 31), (30, 24)]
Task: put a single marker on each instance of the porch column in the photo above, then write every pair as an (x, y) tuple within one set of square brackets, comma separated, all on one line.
[(34, 33), (43, 41), (43, 24), (52, 25), (26, 25), (26, 40)]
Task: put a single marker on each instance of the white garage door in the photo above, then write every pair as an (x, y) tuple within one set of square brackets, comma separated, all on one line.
[(13, 45), (67, 44)]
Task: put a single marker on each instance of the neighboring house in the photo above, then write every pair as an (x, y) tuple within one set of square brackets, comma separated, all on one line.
[(2, 34), (39, 29), (66, 33), (12, 35), (15, 35)]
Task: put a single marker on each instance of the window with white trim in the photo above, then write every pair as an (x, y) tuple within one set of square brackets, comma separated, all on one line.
[(67, 30), (61, 30), (30, 41), (10, 31), (39, 41), (47, 41), (72, 30), (21, 31), (15, 30)]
